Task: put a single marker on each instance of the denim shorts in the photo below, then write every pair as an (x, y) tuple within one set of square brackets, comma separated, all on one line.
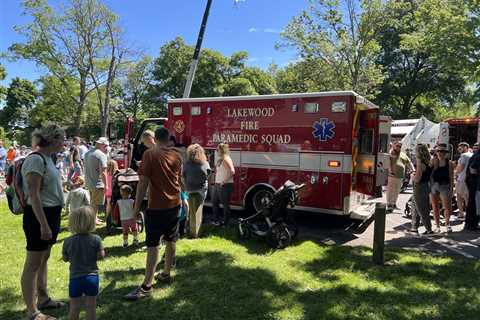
[(85, 285), (442, 189)]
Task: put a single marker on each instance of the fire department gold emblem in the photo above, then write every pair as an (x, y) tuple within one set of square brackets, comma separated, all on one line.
[(179, 126)]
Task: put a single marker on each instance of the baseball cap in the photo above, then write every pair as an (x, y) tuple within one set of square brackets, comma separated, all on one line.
[(103, 140)]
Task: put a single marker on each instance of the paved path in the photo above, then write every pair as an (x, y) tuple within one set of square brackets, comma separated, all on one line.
[(458, 243)]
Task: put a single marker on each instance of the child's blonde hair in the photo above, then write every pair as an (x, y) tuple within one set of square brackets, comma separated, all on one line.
[(82, 220), (78, 181), (112, 166)]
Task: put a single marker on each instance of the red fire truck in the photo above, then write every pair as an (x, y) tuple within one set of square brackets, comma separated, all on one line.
[(335, 142)]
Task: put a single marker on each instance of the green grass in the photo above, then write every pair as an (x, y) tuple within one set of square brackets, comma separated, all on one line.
[(219, 277)]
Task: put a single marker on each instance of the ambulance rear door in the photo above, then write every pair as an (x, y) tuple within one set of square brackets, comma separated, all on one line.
[(365, 157)]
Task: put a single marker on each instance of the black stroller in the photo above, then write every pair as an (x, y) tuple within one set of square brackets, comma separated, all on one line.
[(275, 221), (129, 177)]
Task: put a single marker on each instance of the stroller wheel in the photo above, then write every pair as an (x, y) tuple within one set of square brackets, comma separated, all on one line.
[(278, 237), (141, 222), (292, 226), (244, 231)]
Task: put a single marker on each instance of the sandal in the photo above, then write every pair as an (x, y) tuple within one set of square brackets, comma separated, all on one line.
[(40, 316), (50, 304)]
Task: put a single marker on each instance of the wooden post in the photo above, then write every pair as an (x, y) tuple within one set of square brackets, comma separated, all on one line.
[(379, 233)]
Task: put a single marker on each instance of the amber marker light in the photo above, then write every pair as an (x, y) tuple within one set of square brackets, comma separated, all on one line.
[(334, 163)]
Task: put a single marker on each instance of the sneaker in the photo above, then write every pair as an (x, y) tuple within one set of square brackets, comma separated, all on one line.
[(449, 229), (138, 293), (135, 242), (163, 277), (437, 230), (125, 244)]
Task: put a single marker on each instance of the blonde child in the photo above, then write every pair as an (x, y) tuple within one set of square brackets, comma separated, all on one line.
[(78, 196), (127, 216), (82, 250)]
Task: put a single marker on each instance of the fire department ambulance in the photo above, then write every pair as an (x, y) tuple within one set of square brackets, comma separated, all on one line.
[(335, 142)]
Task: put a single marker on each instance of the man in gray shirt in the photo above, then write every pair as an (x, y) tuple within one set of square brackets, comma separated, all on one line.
[(95, 164)]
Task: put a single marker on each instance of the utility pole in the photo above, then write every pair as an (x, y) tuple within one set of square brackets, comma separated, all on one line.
[(196, 54)]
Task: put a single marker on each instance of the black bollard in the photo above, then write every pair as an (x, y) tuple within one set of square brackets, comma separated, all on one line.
[(379, 233)]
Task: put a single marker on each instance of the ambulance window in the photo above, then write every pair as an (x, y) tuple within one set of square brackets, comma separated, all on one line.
[(310, 107), (177, 111), (366, 141), (294, 107), (196, 111), (383, 143)]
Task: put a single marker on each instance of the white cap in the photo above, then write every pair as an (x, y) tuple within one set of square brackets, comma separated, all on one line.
[(103, 140)]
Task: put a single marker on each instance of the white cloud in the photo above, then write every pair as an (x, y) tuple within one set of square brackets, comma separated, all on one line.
[(252, 30), (271, 30)]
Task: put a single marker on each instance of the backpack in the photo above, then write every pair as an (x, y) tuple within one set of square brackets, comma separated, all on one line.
[(16, 197)]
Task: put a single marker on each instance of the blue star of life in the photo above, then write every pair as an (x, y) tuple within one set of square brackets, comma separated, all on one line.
[(324, 129)]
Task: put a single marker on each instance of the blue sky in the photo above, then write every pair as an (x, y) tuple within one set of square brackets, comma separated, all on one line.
[(251, 25)]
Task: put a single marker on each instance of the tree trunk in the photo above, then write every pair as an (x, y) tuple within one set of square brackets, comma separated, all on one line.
[(82, 97)]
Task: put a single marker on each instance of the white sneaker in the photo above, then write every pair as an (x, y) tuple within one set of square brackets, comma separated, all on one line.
[(437, 230)]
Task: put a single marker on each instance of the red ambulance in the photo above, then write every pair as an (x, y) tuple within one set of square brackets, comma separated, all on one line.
[(335, 142)]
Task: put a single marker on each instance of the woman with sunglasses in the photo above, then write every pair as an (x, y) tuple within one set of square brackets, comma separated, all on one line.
[(442, 186)]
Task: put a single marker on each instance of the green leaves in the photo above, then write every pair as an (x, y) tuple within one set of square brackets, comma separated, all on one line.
[(339, 37), (217, 75), (20, 99)]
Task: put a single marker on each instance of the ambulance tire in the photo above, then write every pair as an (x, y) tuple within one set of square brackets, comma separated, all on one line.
[(256, 197)]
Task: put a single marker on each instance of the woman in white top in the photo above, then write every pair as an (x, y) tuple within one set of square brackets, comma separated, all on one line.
[(224, 171)]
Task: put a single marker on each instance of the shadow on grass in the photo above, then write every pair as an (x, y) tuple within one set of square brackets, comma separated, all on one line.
[(208, 286), (409, 290)]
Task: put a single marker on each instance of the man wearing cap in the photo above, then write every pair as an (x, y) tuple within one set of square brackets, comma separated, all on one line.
[(460, 172), (95, 164)]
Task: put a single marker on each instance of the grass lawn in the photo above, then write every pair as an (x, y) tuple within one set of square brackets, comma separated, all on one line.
[(219, 277)]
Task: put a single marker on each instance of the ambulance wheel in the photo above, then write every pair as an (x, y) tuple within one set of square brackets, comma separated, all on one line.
[(278, 237), (259, 199)]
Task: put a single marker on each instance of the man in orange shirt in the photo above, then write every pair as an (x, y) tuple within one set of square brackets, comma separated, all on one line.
[(160, 171)]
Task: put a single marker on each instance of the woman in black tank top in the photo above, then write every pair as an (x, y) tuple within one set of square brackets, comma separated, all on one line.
[(442, 185), (421, 190)]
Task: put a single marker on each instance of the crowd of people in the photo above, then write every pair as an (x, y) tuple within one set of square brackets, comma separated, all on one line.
[(175, 181), (438, 182)]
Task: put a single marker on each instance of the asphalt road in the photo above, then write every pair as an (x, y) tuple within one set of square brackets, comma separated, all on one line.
[(331, 230)]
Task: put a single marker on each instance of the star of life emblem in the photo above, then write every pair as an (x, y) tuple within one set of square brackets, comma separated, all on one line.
[(324, 129)]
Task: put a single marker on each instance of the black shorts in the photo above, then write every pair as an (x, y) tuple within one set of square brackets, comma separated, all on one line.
[(160, 223), (31, 227)]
